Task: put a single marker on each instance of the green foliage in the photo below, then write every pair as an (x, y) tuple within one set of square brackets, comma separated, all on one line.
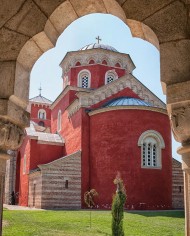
[(74, 223), (89, 197), (118, 203), (89, 200)]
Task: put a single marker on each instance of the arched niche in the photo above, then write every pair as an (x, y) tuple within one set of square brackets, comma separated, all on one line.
[(54, 26)]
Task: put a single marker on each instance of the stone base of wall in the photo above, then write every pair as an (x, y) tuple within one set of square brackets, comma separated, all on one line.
[(10, 177), (35, 189), (177, 185), (57, 185)]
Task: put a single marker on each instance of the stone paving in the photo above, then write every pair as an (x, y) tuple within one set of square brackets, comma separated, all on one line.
[(21, 208)]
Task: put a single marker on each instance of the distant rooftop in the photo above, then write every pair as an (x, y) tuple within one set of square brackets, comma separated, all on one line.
[(43, 137), (40, 99)]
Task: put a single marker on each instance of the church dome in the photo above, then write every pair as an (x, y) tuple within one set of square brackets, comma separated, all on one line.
[(98, 45), (127, 101)]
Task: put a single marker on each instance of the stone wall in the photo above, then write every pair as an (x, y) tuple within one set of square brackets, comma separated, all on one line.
[(177, 185), (61, 183), (35, 189), (57, 184), (10, 177)]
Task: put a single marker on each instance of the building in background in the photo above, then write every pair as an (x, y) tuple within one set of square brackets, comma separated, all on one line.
[(105, 121)]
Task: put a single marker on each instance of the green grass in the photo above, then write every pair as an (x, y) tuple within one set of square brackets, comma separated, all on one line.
[(76, 223)]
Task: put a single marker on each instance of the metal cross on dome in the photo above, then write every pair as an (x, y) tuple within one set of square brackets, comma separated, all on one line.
[(40, 90), (99, 39)]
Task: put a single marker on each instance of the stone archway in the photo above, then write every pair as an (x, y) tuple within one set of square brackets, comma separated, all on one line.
[(29, 28)]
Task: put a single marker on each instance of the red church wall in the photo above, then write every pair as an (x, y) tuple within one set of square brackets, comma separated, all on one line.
[(22, 177), (44, 153), (34, 114), (85, 161), (97, 74), (114, 147), (70, 127), (35, 154)]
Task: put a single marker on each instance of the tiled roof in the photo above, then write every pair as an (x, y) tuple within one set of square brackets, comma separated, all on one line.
[(98, 45), (127, 101), (40, 99)]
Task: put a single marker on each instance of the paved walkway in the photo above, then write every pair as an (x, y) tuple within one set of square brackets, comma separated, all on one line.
[(21, 208)]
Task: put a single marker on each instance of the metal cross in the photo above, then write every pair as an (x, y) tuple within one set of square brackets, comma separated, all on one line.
[(40, 89), (99, 39)]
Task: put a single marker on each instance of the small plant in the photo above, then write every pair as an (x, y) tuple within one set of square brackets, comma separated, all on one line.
[(118, 203), (89, 200)]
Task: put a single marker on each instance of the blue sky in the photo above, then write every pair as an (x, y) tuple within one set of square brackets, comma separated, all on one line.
[(84, 31)]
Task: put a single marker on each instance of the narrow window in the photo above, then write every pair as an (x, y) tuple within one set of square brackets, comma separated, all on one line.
[(180, 189), (144, 154), (66, 184), (42, 114), (154, 155), (110, 76), (84, 78), (85, 81), (24, 164), (59, 121)]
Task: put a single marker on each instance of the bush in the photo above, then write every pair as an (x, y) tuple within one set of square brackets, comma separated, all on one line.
[(118, 203)]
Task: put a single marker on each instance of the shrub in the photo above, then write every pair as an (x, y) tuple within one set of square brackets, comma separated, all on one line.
[(118, 203)]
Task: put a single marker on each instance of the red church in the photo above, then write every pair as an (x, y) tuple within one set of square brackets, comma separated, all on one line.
[(104, 121)]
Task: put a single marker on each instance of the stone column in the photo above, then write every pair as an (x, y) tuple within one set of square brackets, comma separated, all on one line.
[(3, 158), (185, 152)]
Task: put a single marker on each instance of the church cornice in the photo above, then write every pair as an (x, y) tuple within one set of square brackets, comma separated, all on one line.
[(98, 56), (95, 96), (117, 108)]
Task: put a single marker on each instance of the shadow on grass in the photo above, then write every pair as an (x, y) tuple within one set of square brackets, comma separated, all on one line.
[(171, 214)]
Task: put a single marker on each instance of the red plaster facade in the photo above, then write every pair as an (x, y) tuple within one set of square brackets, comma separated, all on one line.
[(106, 134), (35, 114)]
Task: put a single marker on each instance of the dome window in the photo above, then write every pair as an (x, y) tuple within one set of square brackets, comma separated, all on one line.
[(84, 78), (91, 62), (110, 76), (78, 64), (42, 114), (117, 65), (151, 143), (104, 62)]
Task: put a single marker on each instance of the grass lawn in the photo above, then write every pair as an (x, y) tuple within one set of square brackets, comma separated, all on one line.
[(76, 223)]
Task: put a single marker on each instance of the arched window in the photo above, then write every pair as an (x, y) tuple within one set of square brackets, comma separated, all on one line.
[(78, 64), (104, 62), (42, 114), (41, 123), (151, 143), (117, 65), (84, 79), (110, 76), (92, 62), (59, 121)]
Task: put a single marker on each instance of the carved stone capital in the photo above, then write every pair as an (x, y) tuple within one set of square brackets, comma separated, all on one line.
[(180, 121), (11, 135), (185, 152)]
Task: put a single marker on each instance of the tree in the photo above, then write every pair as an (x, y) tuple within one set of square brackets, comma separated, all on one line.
[(89, 200), (118, 203)]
